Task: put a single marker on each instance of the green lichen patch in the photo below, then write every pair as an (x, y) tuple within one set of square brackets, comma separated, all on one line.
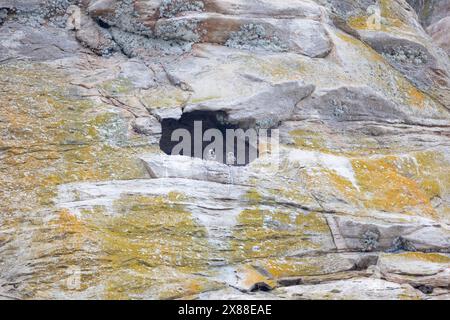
[(146, 236), (264, 233)]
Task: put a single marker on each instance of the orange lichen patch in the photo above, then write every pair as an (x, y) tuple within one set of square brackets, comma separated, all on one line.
[(416, 97), (69, 223), (384, 188), (320, 138), (368, 23), (343, 186), (412, 96), (312, 222), (189, 288), (429, 169)]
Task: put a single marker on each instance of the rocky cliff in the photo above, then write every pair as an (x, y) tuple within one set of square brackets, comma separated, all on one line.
[(355, 206)]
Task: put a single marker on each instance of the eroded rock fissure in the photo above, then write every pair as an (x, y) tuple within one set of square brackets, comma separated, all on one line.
[(210, 137)]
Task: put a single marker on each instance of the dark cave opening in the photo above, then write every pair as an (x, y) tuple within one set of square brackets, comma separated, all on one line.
[(103, 23), (207, 135)]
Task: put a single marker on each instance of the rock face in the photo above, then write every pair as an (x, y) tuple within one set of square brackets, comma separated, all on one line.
[(353, 203)]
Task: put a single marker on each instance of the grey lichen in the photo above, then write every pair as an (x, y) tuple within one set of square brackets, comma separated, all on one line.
[(348, 8), (267, 123), (134, 45), (186, 30), (49, 12), (253, 36), (126, 18), (404, 55), (171, 8), (369, 240), (339, 108), (401, 244)]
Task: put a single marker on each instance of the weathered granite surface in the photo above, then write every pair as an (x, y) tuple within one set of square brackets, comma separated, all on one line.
[(356, 207)]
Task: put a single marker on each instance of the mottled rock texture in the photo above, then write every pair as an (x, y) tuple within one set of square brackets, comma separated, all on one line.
[(356, 205)]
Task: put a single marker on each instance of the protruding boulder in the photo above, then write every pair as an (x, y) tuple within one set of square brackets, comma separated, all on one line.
[(265, 108)]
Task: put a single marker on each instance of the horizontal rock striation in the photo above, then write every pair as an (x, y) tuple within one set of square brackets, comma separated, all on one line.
[(353, 203)]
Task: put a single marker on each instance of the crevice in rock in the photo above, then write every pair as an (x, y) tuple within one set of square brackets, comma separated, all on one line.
[(215, 138), (426, 289), (102, 24), (261, 286), (4, 13)]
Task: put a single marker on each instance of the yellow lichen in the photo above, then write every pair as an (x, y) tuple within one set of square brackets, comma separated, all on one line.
[(384, 188), (305, 139), (290, 267), (165, 98), (263, 233), (421, 256), (144, 235)]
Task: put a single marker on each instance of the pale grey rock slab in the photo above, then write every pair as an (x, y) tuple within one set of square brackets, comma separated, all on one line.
[(141, 76), (353, 289), (366, 235), (164, 166), (439, 294), (350, 104), (40, 44), (148, 126), (101, 193), (416, 268), (234, 294), (439, 32), (267, 108), (167, 113), (213, 205), (303, 36), (269, 8), (353, 104), (430, 237)]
